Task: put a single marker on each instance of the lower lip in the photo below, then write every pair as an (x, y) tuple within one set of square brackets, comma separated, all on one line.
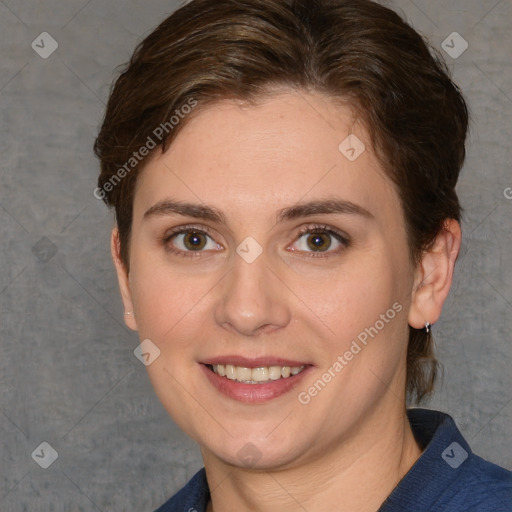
[(253, 393)]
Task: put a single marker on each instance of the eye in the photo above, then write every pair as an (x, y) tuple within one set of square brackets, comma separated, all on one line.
[(191, 240), (319, 240)]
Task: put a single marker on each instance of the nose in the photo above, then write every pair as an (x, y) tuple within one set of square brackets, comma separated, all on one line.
[(253, 300)]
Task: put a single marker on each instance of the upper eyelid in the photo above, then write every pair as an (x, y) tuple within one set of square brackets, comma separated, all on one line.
[(300, 231), (185, 228), (318, 227), (325, 229)]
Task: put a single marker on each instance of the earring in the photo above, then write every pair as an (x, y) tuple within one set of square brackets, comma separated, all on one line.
[(128, 313), (427, 327)]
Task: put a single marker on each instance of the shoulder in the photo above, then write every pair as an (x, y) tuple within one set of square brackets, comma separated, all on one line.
[(193, 497), (448, 476), (482, 486)]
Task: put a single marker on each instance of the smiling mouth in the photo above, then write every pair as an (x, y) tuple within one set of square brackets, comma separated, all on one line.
[(259, 375)]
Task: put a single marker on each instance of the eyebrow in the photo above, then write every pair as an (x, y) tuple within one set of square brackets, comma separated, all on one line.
[(322, 207), (205, 212), (199, 211)]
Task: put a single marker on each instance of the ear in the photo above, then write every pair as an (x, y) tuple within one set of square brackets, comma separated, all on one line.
[(122, 277), (434, 275)]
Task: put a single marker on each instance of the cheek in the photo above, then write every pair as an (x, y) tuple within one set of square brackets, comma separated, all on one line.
[(352, 296), (166, 301), (364, 310)]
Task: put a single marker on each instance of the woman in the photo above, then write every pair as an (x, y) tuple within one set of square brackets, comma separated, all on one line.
[(283, 175)]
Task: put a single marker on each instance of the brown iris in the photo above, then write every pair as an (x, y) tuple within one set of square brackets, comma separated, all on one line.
[(194, 241), (319, 241)]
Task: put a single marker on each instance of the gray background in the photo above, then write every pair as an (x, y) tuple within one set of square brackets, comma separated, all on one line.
[(68, 375)]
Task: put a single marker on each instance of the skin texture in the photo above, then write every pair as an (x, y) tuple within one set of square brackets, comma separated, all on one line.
[(352, 440)]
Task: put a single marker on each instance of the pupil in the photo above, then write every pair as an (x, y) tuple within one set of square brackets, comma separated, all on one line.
[(194, 241), (319, 242)]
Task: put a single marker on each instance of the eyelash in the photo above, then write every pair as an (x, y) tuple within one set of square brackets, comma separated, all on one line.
[(310, 229)]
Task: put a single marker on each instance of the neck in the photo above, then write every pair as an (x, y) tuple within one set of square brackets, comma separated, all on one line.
[(356, 475)]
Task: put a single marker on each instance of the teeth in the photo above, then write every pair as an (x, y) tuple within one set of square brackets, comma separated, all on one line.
[(255, 375), (230, 372), (243, 373), (274, 372)]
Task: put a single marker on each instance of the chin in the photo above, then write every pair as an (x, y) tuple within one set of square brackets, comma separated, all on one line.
[(253, 456)]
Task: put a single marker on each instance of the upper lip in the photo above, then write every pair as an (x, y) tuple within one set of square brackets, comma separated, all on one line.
[(253, 362)]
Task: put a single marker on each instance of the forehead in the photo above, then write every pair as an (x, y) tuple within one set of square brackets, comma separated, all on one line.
[(289, 147)]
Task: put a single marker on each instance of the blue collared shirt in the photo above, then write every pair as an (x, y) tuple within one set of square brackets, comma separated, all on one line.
[(447, 477)]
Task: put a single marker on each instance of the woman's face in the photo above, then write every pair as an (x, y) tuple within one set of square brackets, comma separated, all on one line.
[(264, 242)]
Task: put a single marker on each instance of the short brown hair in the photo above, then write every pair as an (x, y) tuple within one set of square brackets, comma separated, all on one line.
[(353, 50)]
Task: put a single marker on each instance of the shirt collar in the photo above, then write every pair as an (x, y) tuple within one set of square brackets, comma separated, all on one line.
[(444, 451)]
